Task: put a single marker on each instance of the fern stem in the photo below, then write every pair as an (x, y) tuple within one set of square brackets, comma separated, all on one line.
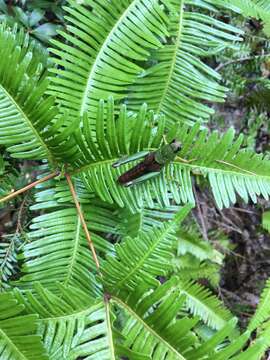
[(19, 216), (174, 59), (236, 167), (200, 214), (83, 222), (29, 186), (247, 58)]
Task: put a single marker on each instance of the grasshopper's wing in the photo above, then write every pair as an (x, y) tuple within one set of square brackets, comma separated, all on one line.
[(127, 159), (142, 179)]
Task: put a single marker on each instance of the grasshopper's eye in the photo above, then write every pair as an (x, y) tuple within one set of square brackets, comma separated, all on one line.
[(176, 145)]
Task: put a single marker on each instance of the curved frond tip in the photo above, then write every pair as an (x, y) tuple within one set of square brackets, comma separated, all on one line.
[(25, 113)]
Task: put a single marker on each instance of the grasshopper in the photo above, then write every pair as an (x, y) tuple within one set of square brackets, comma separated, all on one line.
[(155, 161), (151, 165)]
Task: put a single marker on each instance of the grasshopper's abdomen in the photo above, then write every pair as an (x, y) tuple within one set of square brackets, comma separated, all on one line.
[(132, 174), (146, 166)]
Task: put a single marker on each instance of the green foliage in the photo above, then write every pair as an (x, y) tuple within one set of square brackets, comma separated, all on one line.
[(266, 221), (32, 16), (196, 258), (189, 241), (263, 309), (18, 332), (71, 325), (8, 259), (24, 112), (157, 323), (258, 9), (146, 60), (147, 256), (161, 54), (57, 249), (230, 170)]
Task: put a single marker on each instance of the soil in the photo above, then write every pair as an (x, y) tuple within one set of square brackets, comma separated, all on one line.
[(247, 266)]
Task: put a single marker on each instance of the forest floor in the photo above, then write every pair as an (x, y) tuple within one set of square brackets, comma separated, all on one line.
[(247, 266)]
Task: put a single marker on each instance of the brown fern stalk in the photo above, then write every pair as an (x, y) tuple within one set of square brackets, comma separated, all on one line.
[(83, 222), (29, 186)]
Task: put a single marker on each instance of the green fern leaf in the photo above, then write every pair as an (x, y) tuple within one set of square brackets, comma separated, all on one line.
[(101, 52), (188, 267), (147, 256), (18, 332), (167, 333), (231, 170), (8, 177), (264, 4), (213, 342), (8, 258), (266, 221), (145, 220), (103, 44), (232, 348), (254, 352), (58, 250), (189, 241), (179, 82), (117, 136), (258, 9), (25, 113), (200, 302), (72, 325), (263, 310)]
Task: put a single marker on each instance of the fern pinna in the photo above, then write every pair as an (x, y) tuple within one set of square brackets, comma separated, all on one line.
[(126, 300)]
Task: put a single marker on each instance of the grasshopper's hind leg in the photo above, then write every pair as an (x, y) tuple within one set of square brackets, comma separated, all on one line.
[(184, 160), (142, 179)]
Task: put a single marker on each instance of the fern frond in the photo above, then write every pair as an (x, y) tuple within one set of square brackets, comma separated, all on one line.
[(233, 348), (100, 49), (190, 241), (208, 346), (263, 4), (100, 52), (9, 247), (147, 256), (263, 309), (195, 258), (202, 303), (254, 352), (145, 220), (155, 325), (117, 136), (7, 178), (178, 84), (150, 256), (72, 325), (58, 250), (18, 332), (258, 9), (188, 267), (167, 333), (230, 170), (25, 112)]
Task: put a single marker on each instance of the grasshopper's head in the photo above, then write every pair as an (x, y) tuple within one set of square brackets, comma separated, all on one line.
[(167, 153), (175, 146)]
